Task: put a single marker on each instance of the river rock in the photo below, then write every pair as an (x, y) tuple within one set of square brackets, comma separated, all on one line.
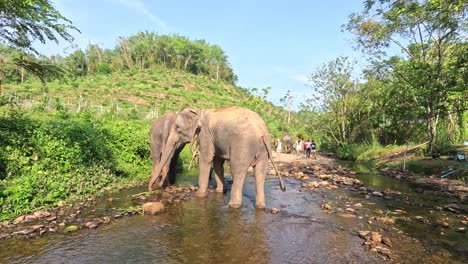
[(357, 205), (376, 237), (41, 214), (378, 194), (305, 178), (461, 230), (363, 234), (314, 184), (387, 241), (19, 220), (26, 231), (91, 224), (324, 183), (274, 210), (153, 208), (70, 229), (51, 218), (106, 219), (37, 227)]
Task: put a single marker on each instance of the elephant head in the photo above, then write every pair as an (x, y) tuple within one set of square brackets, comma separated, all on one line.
[(186, 126)]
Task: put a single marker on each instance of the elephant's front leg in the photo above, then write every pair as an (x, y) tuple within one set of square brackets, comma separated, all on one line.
[(219, 175), (205, 166)]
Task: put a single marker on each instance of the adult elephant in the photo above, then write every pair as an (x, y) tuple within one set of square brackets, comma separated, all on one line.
[(159, 133), (288, 143), (235, 134)]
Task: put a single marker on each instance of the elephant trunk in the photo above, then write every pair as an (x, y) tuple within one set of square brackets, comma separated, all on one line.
[(167, 155)]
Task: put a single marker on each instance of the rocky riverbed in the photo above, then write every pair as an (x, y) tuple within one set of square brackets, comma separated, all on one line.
[(377, 223)]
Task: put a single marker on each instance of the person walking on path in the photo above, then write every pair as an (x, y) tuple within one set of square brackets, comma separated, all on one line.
[(298, 146), (313, 148), (307, 145)]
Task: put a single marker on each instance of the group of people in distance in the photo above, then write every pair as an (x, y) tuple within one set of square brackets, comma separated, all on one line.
[(309, 147)]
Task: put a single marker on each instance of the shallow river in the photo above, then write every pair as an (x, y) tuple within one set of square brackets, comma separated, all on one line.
[(207, 231)]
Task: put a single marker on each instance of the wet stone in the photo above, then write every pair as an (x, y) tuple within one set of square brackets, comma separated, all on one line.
[(153, 208), (70, 229), (52, 218), (363, 234), (387, 241), (378, 194)]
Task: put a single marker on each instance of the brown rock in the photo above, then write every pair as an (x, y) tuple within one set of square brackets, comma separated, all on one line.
[(37, 227), (41, 214), (274, 210), (387, 241), (324, 183), (153, 208), (357, 205), (50, 219), (19, 220), (91, 224), (26, 231), (347, 215), (363, 234), (376, 237), (378, 194)]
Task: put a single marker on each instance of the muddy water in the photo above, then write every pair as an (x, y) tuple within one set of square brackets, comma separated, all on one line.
[(205, 231)]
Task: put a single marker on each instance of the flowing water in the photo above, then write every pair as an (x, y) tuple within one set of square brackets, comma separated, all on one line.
[(207, 231)]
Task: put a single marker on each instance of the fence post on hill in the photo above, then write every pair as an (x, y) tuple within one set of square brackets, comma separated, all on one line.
[(404, 157)]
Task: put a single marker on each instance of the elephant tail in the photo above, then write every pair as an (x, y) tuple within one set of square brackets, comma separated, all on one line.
[(268, 149)]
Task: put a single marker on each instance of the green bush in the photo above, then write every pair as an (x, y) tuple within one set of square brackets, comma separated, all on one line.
[(45, 159)]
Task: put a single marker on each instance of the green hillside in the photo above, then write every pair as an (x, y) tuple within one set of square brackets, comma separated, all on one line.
[(72, 138)]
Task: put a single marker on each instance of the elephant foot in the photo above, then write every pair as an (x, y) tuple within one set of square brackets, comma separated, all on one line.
[(201, 194), (260, 205), (235, 206)]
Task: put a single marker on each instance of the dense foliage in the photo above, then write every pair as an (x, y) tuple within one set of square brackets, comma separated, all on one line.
[(416, 95), (47, 158), (144, 50)]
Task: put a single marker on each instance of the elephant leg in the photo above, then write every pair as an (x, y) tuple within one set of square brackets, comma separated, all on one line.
[(205, 166), (260, 172), (238, 175), (219, 175)]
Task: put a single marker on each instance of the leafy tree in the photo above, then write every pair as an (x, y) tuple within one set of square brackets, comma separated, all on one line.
[(337, 96), (425, 32), (24, 21)]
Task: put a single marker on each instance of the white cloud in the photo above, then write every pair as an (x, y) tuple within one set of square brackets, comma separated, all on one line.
[(139, 6)]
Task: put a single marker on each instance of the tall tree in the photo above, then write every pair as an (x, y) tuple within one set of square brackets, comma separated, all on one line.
[(425, 32), (22, 22), (336, 94)]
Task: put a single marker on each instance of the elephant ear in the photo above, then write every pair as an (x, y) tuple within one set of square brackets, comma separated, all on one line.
[(187, 122)]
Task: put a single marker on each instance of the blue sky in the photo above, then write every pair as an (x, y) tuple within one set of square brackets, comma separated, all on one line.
[(272, 43)]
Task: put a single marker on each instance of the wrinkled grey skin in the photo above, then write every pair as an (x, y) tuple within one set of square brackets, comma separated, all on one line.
[(235, 134), (288, 143), (159, 133)]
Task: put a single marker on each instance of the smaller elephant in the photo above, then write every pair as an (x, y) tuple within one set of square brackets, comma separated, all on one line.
[(159, 133), (288, 143)]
